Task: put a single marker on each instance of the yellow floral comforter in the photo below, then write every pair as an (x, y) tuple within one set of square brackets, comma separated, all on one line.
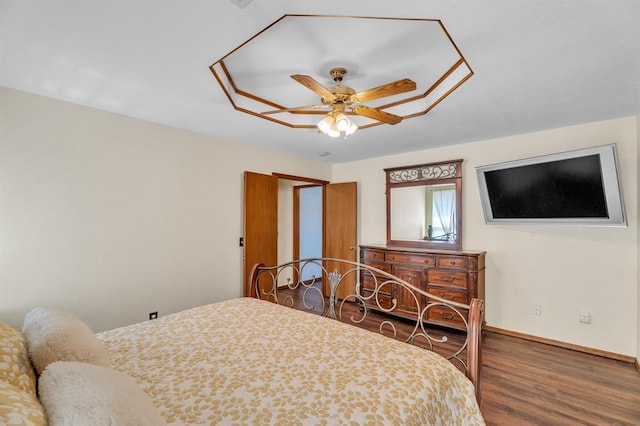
[(246, 361)]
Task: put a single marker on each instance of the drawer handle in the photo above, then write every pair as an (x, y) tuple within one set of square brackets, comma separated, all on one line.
[(446, 316), (445, 278), (444, 296), (453, 262)]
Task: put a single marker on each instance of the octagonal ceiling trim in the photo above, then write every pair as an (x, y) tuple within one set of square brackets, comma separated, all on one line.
[(312, 44)]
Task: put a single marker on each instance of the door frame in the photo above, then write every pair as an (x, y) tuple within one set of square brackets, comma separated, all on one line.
[(295, 223)]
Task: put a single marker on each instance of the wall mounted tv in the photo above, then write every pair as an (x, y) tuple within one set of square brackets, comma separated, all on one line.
[(569, 188)]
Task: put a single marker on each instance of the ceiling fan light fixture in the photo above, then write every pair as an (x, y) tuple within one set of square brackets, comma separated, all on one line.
[(334, 123)]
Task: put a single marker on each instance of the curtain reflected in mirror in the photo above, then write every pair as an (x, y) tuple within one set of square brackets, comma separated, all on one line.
[(441, 227)]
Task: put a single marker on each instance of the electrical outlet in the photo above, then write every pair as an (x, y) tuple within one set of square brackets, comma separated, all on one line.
[(536, 309), (153, 315), (584, 317)]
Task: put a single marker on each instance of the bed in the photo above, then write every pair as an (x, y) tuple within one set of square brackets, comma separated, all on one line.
[(364, 296), (252, 361)]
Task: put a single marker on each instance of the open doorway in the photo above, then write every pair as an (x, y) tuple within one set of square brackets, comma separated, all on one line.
[(307, 226), (268, 221)]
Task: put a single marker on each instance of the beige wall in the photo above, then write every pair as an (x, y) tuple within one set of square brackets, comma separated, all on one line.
[(111, 218), (564, 269)]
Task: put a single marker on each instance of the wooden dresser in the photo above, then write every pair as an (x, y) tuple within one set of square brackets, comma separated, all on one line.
[(452, 275)]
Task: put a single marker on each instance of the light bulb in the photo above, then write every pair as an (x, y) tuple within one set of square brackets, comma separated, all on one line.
[(324, 125), (342, 122), (352, 128), (333, 133), (334, 129)]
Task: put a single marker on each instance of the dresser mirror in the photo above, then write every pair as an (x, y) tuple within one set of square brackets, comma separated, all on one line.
[(424, 205)]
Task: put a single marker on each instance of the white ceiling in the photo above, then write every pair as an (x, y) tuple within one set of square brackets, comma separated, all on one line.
[(538, 64)]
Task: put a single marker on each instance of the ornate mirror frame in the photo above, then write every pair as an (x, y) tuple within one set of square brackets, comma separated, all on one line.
[(426, 175)]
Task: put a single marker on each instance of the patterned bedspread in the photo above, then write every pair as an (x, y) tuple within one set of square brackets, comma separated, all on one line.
[(246, 361)]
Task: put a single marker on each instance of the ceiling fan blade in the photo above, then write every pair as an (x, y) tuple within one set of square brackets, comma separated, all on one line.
[(400, 86), (376, 114), (294, 109), (311, 84)]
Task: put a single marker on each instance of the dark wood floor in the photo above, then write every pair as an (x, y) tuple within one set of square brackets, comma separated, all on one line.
[(531, 383)]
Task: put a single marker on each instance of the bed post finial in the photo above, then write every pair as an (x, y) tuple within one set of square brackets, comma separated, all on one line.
[(474, 339)]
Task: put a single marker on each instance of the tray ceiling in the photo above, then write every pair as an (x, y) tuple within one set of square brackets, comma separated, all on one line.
[(536, 64)]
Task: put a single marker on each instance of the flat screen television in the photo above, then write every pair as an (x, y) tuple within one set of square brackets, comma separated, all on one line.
[(578, 187)]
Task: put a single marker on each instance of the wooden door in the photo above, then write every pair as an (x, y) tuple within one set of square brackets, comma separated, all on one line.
[(260, 224), (340, 208)]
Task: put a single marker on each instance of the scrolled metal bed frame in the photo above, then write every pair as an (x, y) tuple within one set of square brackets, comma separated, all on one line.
[(318, 293)]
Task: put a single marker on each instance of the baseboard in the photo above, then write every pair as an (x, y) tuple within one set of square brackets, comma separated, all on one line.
[(565, 345)]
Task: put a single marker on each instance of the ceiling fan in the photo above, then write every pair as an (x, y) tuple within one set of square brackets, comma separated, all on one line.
[(344, 100)]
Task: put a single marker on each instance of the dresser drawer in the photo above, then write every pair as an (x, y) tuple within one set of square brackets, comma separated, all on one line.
[(368, 284), (452, 295), (445, 316), (453, 262), (369, 254), (378, 265), (384, 297), (382, 302), (415, 259), (369, 280), (447, 277)]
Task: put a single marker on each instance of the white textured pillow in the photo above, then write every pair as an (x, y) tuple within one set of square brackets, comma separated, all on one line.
[(58, 336), (76, 393)]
